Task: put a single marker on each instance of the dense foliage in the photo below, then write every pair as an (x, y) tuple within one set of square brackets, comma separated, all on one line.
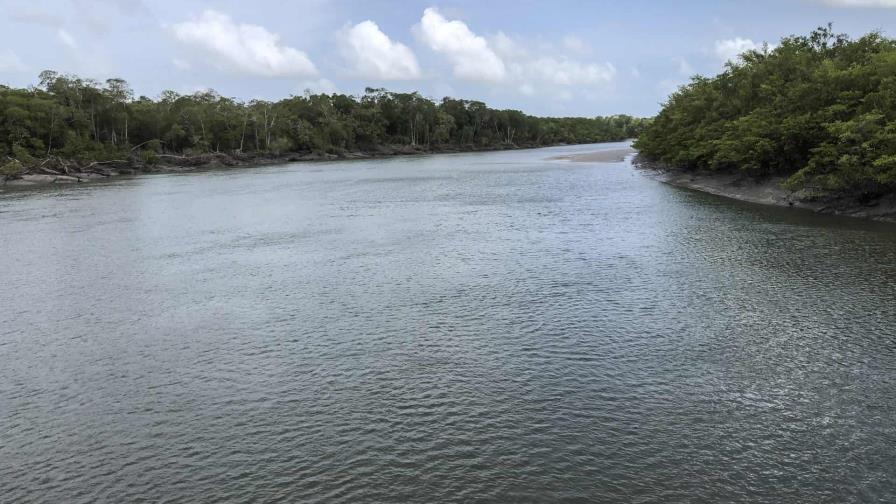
[(819, 109), (74, 118)]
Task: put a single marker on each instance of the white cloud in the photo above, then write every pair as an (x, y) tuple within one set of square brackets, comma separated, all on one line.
[(564, 72), (374, 55), (66, 38), (502, 58), (10, 62), (530, 67), (243, 48), (506, 47), (555, 75), (470, 55), (729, 50), (889, 4)]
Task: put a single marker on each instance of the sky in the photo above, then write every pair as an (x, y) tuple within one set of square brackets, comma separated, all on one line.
[(549, 58)]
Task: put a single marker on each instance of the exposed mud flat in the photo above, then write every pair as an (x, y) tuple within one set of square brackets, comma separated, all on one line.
[(605, 156), (769, 191)]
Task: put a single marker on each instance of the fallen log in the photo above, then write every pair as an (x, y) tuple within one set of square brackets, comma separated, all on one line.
[(43, 171), (106, 162)]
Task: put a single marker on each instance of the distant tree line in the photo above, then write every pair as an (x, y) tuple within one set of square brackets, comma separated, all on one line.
[(74, 118), (818, 109)]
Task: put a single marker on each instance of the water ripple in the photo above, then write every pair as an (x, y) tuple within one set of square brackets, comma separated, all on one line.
[(485, 327)]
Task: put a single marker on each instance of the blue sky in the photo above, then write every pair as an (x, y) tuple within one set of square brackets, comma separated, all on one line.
[(560, 57)]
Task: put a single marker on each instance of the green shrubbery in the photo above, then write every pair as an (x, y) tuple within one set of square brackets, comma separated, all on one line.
[(11, 168), (819, 109)]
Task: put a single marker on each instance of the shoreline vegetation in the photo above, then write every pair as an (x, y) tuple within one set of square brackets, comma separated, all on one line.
[(809, 123), (68, 129)]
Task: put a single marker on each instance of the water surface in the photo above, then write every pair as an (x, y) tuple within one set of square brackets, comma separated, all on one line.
[(474, 327)]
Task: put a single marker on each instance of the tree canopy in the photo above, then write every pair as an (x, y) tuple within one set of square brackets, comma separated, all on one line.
[(76, 118), (818, 109)]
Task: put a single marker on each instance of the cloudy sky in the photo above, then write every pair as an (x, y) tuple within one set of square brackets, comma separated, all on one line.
[(543, 57)]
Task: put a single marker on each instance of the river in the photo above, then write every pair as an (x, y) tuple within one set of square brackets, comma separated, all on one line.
[(494, 327)]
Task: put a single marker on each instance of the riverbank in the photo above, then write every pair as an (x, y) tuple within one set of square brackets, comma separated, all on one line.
[(769, 191), (54, 170)]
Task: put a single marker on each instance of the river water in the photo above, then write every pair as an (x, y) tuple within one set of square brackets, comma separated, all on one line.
[(490, 327)]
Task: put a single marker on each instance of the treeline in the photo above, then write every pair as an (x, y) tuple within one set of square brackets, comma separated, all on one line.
[(74, 118), (818, 109)]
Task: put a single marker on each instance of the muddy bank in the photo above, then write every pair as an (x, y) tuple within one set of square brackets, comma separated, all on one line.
[(54, 170), (769, 191), (605, 156)]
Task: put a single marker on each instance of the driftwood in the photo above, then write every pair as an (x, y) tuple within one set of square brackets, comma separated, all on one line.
[(41, 169), (56, 166), (65, 167), (44, 171), (91, 165), (96, 167), (58, 163)]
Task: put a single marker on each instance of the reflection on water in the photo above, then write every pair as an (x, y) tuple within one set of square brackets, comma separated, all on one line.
[(494, 327)]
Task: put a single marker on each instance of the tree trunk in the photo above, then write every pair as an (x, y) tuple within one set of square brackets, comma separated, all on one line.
[(243, 134), (50, 134)]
